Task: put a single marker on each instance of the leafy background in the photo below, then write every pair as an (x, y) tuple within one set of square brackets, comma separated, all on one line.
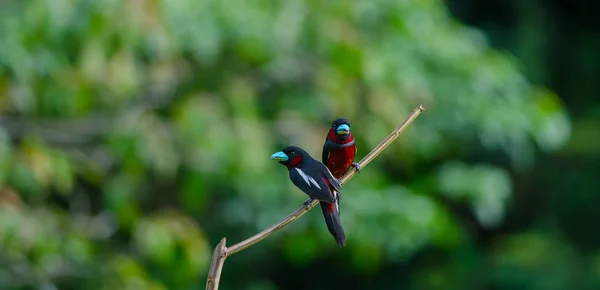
[(136, 134)]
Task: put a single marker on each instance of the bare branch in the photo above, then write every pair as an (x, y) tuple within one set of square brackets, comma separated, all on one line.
[(222, 252), (214, 274)]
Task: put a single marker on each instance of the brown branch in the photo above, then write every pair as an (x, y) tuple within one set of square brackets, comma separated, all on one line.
[(218, 258), (222, 252)]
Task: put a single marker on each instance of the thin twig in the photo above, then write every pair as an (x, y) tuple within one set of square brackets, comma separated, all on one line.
[(222, 252)]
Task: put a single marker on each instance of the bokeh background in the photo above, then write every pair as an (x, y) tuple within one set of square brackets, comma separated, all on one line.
[(135, 134)]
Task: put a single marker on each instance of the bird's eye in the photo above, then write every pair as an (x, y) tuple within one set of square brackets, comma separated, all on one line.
[(293, 153)]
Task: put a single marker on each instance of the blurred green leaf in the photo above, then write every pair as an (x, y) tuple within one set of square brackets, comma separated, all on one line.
[(487, 188), (136, 133)]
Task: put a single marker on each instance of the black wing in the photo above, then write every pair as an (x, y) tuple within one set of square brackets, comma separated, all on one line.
[(326, 173), (311, 184), (334, 186), (326, 151), (335, 183)]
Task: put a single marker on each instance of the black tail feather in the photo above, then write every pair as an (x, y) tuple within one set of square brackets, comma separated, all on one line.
[(334, 224)]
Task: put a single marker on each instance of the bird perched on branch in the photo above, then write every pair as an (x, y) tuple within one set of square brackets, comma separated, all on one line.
[(339, 148), (314, 179)]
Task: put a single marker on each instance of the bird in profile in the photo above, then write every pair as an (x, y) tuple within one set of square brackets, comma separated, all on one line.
[(314, 179)]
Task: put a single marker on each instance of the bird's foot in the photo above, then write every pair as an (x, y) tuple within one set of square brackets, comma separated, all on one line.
[(357, 166), (307, 202)]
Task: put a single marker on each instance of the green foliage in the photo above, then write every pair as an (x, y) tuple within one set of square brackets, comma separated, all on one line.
[(153, 121)]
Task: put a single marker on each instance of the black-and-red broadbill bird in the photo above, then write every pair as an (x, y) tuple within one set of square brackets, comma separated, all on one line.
[(314, 179), (339, 148)]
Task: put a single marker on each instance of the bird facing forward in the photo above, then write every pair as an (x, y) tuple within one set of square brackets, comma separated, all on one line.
[(339, 148)]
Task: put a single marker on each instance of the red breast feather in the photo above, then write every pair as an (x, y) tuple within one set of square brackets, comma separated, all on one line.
[(340, 159)]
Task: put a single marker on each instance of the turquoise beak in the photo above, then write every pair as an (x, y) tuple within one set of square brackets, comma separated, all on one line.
[(343, 129), (279, 156)]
